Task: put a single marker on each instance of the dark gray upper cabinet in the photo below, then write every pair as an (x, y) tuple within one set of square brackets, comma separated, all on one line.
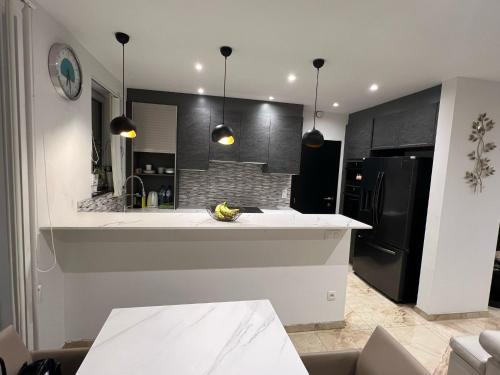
[(415, 127), (418, 126), (221, 152), (385, 130), (254, 144), (193, 128), (358, 138), (285, 145)]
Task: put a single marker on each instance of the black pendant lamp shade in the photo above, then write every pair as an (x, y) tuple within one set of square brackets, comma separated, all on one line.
[(313, 138), (122, 125), (222, 133)]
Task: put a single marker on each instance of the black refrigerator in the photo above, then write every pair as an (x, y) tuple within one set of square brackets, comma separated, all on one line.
[(394, 197)]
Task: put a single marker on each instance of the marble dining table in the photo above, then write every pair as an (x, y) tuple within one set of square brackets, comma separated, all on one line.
[(243, 337)]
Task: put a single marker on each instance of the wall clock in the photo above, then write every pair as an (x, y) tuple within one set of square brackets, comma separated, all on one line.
[(65, 71)]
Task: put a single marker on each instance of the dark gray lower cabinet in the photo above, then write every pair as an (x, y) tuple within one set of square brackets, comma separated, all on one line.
[(285, 145), (193, 138), (221, 152), (254, 145)]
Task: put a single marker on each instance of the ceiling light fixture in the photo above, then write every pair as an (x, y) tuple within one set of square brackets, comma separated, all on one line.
[(122, 125), (335, 104), (201, 90), (313, 138), (271, 98), (222, 133), (374, 87), (198, 67), (291, 78)]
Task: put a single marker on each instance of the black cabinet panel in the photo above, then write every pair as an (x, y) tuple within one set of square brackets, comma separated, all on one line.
[(226, 152), (250, 119), (418, 126), (285, 145), (385, 131), (193, 127), (254, 145), (358, 138), (415, 127)]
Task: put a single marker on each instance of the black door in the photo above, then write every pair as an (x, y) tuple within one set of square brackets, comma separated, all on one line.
[(315, 189), (387, 195), (394, 202)]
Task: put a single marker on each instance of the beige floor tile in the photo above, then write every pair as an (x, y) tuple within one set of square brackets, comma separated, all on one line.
[(307, 342), (450, 328), (358, 320), (340, 339)]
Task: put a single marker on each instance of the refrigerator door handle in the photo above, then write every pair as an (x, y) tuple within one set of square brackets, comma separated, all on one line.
[(379, 209), (374, 200), (388, 251)]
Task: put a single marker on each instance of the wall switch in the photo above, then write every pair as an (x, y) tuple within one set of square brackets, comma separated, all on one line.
[(284, 193), (331, 295)]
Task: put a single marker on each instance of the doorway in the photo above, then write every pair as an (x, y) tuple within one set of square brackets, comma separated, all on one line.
[(314, 191)]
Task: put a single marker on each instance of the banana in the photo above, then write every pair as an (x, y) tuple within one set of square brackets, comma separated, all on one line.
[(228, 212), (218, 212)]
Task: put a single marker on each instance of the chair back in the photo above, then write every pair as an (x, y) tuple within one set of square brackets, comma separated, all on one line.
[(383, 355), (13, 351)]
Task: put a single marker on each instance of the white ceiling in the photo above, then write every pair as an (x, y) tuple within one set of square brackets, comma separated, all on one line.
[(402, 45)]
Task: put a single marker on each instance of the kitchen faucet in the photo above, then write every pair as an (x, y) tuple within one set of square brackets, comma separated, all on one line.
[(124, 189)]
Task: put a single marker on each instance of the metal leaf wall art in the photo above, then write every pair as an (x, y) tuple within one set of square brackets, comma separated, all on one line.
[(482, 167)]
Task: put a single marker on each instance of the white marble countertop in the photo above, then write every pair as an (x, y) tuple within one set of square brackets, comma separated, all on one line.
[(211, 339), (200, 219)]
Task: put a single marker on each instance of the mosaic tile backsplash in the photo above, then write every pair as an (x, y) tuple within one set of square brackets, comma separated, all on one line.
[(237, 183), (102, 203)]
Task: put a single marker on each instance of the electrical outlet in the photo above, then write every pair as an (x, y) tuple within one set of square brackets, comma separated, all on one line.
[(284, 193), (331, 295)]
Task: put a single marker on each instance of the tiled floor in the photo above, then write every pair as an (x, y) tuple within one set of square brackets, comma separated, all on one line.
[(366, 308)]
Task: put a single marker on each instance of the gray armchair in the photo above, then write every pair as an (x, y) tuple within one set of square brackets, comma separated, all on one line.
[(14, 353), (475, 355), (382, 355)]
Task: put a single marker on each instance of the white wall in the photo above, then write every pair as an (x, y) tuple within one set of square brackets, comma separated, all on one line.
[(462, 227), (5, 271), (332, 125), (65, 127)]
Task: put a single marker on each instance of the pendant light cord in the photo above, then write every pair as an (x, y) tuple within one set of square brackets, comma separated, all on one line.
[(316, 99), (123, 78), (224, 98)]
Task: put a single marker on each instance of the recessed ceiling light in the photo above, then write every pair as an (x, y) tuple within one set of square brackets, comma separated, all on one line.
[(335, 104), (201, 90), (271, 98), (198, 67), (374, 87), (291, 78)]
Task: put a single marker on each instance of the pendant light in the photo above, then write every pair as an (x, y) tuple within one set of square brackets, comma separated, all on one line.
[(122, 125), (222, 133), (313, 138)]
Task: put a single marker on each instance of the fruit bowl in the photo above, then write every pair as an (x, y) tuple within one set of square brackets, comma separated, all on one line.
[(232, 214)]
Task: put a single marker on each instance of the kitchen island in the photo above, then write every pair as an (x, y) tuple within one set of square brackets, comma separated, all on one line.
[(114, 260)]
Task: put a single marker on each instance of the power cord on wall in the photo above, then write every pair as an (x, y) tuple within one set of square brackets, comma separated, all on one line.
[(52, 245)]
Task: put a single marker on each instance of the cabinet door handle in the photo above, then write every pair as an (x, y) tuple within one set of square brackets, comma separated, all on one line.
[(328, 198)]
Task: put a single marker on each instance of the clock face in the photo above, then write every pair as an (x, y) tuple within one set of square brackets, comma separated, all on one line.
[(65, 71)]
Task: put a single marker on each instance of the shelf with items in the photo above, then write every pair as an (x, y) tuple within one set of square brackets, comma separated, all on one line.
[(141, 175), (164, 184)]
